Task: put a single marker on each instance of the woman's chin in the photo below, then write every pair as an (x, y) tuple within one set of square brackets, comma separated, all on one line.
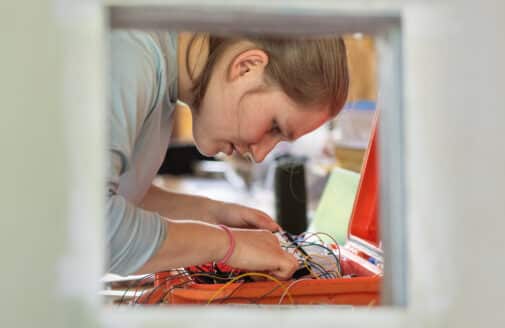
[(209, 152)]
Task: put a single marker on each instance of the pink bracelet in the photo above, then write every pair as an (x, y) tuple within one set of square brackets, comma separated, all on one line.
[(231, 248)]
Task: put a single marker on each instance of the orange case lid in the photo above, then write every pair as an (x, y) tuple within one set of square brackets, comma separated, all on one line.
[(364, 218)]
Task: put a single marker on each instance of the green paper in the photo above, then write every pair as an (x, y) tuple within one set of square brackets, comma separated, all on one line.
[(335, 207)]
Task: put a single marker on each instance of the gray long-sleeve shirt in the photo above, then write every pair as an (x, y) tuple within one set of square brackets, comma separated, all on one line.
[(143, 96)]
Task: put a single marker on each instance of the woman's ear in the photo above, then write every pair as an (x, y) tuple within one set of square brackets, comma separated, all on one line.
[(252, 60)]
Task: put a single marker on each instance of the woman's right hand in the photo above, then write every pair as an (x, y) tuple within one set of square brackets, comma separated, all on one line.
[(260, 250), (193, 242)]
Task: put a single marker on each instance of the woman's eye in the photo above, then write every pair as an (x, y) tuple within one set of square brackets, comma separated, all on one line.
[(275, 128)]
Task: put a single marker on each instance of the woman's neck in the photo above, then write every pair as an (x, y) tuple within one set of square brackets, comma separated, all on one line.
[(197, 57)]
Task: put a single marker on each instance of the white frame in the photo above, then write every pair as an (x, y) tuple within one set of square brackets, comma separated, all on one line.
[(384, 23), (52, 134)]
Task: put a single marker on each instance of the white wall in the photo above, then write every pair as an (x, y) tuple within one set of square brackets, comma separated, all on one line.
[(52, 82), (51, 136), (456, 159)]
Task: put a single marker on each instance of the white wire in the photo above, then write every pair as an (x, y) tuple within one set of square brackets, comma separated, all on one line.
[(289, 286)]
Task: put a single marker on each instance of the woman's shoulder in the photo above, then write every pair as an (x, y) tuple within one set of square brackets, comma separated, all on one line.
[(133, 43), (146, 59), (136, 47), (148, 41)]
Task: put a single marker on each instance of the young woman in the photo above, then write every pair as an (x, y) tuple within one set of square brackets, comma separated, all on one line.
[(246, 95)]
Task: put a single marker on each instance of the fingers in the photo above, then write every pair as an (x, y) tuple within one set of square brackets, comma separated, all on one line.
[(260, 220), (287, 267), (239, 216), (269, 223), (259, 250)]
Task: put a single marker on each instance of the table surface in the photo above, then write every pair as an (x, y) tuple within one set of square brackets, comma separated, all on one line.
[(219, 189)]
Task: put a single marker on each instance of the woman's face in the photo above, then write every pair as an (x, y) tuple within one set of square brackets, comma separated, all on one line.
[(239, 113), (254, 124)]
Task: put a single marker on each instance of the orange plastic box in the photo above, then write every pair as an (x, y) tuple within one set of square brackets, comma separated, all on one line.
[(361, 257)]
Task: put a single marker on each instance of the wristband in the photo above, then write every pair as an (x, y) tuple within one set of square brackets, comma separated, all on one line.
[(231, 248)]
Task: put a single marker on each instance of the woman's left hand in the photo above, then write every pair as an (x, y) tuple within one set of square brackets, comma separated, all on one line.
[(238, 216)]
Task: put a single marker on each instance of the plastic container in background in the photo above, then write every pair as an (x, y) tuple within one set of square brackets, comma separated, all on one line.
[(350, 133)]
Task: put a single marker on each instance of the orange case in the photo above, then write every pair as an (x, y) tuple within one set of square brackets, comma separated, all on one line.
[(360, 257)]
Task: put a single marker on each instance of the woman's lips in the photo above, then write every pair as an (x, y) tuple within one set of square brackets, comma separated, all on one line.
[(230, 149)]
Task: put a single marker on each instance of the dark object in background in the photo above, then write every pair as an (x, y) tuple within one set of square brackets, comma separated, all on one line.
[(291, 194), (180, 159)]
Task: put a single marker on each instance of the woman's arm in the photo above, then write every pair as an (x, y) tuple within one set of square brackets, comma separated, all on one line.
[(192, 243), (133, 235), (182, 207), (178, 206)]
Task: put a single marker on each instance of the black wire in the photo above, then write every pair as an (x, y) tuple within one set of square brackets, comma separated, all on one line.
[(242, 283), (258, 299), (320, 268), (332, 239), (330, 252)]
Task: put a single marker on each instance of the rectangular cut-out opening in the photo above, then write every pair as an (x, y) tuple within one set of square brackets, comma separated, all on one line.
[(386, 30)]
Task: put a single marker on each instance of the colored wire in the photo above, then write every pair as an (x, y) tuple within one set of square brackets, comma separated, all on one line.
[(286, 290), (147, 301), (141, 283), (327, 235), (293, 242), (309, 262), (258, 299), (138, 284), (313, 261), (308, 268), (192, 275), (332, 254), (323, 271), (306, 235), (205, 274), (161, 285), (232, 292), (258, 274), (329, 250)]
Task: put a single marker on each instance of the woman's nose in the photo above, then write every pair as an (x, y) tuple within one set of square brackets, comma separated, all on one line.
[(261, 150)]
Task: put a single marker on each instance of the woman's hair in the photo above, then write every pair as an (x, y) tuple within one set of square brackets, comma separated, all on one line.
[(310, 71)]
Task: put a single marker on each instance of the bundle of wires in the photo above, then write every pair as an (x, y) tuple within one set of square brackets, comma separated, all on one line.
[(317, 261), (181, 279)]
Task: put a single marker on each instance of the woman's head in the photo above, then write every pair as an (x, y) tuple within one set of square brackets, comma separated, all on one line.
[(250, 93)]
